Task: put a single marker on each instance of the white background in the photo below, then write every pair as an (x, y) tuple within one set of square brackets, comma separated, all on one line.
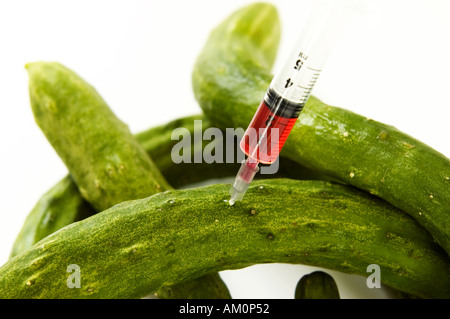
[(392, 66)]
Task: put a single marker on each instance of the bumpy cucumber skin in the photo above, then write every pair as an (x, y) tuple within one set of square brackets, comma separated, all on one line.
[(141, 246), (317, 285), (63, 203), (379, 159), (59, 207), (230, 80), (97, 148), (107, 163), (258, 25)]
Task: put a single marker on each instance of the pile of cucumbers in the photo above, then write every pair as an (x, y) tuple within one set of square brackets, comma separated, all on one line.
[(358, 192)]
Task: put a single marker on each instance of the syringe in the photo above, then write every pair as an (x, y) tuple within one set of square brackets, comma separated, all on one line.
[(290, 89)]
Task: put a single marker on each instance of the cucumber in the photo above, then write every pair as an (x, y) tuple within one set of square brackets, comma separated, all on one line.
[(107, 163), (317, 285), (230, 78), (58, 207), (63, 203), (158, 143), (103, 157), (141, 246), (196, 289)]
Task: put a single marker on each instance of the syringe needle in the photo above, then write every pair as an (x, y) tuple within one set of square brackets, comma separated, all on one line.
[(243, 179), (233, 198)]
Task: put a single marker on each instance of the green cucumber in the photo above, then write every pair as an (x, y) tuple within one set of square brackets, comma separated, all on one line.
[(107, 163), (230, 78), (57, 208), (317, 285), (141, 246), (159, 144), (63, 203), (103, 157), (196, 289)]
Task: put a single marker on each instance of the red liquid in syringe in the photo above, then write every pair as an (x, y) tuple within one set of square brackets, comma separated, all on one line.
[(270, 128)]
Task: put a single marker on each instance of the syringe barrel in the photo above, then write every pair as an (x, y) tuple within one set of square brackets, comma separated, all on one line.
[(292, 85), (269, 128)]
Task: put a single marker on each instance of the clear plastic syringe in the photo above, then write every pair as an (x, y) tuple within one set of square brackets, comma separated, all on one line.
[(290, 89)]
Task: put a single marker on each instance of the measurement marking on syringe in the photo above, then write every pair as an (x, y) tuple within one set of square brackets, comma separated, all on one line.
[(304, 88), (317, 70)]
